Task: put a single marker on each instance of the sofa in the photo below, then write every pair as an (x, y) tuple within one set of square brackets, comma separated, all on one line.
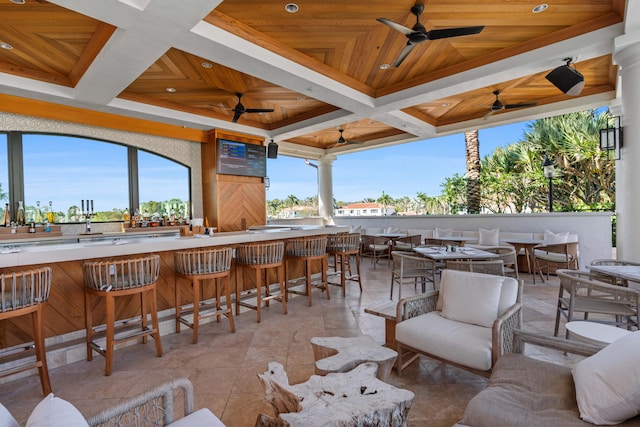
[(150, 409), (527, 392)]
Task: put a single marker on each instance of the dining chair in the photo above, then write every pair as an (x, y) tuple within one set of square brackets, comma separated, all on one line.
[(377, 247), (579, 292), (493, 266), (509, 258), (550, 257), (405, 243), (408, 268)]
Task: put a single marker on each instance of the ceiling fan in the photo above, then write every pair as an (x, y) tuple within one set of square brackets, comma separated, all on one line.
[(342, 141), (499, 106), (419, 33), (239, 109)]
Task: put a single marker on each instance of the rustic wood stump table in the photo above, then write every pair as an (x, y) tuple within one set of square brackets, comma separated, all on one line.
[(347, 399), (338, 354)]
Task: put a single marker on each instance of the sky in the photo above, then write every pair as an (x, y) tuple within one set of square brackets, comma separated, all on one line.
[(401, 170)]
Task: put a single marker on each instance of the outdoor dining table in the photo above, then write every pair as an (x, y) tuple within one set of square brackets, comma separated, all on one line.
[(528, 246), (439, 253), (447, 240), (625, 272)]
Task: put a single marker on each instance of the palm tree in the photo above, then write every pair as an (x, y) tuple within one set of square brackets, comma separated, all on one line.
[(472, 148), (385, 200), (292, 201)]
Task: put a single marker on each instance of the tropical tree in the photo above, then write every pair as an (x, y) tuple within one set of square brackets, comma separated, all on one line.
[(385, 200), (472, 155), (403, 204), (291, 201)]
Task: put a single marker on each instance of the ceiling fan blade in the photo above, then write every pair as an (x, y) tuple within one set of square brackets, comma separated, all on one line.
[(405, 52), (404, 30), (236, 116), (445, 33), (522, 105), (259, 110)]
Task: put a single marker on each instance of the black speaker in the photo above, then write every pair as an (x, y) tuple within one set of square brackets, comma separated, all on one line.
[(567, 79), (272, 150)]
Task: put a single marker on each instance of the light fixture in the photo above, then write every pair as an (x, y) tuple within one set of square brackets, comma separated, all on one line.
[(567, 79), (171, 89), (7, 46), (291, 7), (548, 170), (18, 1), (540, 8), (384, 66), (206, 65), (267, 182), (272, 150), (611, 139)]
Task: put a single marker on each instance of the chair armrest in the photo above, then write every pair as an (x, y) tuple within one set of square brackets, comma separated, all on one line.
[(521, 337), (153, 408), (502, 331), (416, 305)]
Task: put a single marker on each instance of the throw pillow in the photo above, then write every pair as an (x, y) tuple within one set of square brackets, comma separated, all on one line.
[(55, 412), (6, 419), (489, 237), (471, 297), (607, 383), (443, 232), (551, 238)]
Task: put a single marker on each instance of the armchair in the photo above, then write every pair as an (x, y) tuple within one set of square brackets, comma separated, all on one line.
[(376, 247), (406, 243), (588, 296), (467, 323), (549, 257)]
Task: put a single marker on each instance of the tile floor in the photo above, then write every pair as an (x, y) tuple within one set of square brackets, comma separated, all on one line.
[(224, 366)]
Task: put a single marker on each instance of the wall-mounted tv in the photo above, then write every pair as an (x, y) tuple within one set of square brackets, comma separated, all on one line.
[(240, 158)]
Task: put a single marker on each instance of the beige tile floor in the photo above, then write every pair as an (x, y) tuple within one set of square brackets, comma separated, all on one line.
[(223, 366)]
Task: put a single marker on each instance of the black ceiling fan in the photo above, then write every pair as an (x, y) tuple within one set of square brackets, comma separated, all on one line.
[(499, 106), (239, 109), (419, 33), (342, 141)]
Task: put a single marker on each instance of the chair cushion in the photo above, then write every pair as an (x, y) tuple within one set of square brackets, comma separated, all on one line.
[(553, 256), (6, 419), (471, 299), (403, 246), (526, 392), (551, 238), (200, 418), (53, 412), (489, 237), (458, 342), (607, 383)]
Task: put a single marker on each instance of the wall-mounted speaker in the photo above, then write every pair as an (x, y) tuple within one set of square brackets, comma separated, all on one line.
[(567, 79), (272, 150)]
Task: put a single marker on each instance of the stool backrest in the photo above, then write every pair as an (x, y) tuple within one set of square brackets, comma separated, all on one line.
[(24, 288), (307, 246), (121, 274), (260, 253), (203, 261), (344, 242)]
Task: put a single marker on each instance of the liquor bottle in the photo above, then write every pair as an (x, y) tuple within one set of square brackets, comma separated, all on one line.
[(51, 217), (38, 216), (126, 216), (7, 216), (20, 215)]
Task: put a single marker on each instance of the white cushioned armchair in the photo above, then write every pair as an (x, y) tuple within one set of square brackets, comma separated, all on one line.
[(467, 323)]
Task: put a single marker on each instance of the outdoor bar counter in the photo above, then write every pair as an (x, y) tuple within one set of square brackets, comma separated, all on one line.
[(64, 314)]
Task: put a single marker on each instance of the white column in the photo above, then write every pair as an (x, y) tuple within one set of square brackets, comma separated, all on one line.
[(627, 56), (325, 188)]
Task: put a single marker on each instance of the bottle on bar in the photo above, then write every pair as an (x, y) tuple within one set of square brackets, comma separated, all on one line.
[(7, 216), (20, 214)]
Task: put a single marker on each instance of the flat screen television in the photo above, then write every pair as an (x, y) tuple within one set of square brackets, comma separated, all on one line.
[(240, 158)]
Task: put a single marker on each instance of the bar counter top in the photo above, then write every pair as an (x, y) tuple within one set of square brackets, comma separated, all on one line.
[(83, 247)]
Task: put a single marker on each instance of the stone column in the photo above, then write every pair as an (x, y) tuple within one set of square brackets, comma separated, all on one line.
[(325, 188)]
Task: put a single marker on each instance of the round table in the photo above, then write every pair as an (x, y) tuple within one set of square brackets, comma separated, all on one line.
[(596, 332)]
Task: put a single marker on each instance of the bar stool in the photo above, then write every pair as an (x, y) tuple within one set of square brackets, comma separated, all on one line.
[(196, 266), (261, 257), (112, 279), (26, 293), (307, 249), (342, 247)]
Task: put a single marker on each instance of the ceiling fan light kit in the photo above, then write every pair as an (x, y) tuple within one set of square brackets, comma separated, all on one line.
[(569, 80)]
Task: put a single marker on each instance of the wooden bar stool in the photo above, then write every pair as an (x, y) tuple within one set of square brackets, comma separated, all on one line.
[(109, 280), (261, 257), (25, 293), (342, 247), (196, 266), (307, 249)]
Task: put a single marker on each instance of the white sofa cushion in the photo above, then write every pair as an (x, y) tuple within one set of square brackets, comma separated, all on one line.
[(442, 232), (470, 298), (200, 418), (607, 383), (55, 412), (463, 343), (489, 237), (6, 419), (551, 238)]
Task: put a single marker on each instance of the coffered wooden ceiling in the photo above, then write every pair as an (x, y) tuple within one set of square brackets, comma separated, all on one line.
[(321, 69)]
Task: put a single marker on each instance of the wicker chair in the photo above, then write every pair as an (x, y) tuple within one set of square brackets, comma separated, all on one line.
[(405, 243), (588, 296), (548, 258), (376, 247), (261, 257), (25, 293), (342, 247), (613, 280), (197, 266), (509, 258), (110, 280), (307, 250), (409, 268), (494, 266)]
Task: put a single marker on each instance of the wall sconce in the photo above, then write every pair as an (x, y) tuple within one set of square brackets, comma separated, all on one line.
[(267, 182), (272, 150), (567, 79), (611, 139)]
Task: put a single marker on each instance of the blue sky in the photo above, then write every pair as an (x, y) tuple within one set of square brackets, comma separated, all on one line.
[(401, 170)]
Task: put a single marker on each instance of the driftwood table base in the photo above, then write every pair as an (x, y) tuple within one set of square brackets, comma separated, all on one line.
[(350, 399), (338, 354)]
